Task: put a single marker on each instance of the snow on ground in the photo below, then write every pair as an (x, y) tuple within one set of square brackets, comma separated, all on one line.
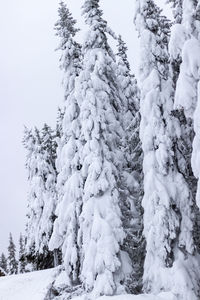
[(29, 286), (34, 286), (161, 296)]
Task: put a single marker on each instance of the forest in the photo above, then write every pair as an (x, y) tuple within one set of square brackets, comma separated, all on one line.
[(114, 189)]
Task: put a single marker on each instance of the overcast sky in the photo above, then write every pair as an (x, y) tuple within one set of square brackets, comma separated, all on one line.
[(30, 87)]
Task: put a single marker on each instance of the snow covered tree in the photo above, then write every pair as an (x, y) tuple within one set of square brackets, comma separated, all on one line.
[(100, 100), (32, 143), (188, 82), (186, 92), (42, 196), (132, 175), (3, 262), (167, 201), (183, 149), (12, 262), (71, 50), (69, 180), (22, 258), (48, 174)]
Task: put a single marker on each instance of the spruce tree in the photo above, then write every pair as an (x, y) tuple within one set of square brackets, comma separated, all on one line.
[(48, 174), (183, 149), (187, 97), (32, 143), (100, 100), (3, 263), (42, 197), (167, 201), (69, 180), (22, 258), (131, 188), (12, 262)]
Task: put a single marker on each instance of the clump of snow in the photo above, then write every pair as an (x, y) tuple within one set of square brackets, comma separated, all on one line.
[(62, 280), (186, 92), (177, 40)]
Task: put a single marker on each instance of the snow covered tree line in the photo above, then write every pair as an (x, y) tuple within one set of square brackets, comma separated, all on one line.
[(114, 189), (14, 262)]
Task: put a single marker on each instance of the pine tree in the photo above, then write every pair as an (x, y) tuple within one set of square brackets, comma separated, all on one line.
[(69, 180), (167, 202), (132, 176), (22, 258), (71, 50), (48, 173), (41, 206), (12, 262), (187, 86), (3, 263), (186, 93), (183, 149), (32, 143), (100, 100)]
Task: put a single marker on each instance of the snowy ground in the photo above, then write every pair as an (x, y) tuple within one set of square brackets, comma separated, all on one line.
[(162, 296), (29, 286), (34, 286)]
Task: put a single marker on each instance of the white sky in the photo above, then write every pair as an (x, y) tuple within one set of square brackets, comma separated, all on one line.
[(30, 87)]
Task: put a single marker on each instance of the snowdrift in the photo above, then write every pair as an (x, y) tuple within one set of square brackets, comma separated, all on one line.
[(35, 286), (28, 286)]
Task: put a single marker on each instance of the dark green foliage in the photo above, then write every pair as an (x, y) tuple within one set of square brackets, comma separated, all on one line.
[(65, 29), (40, 261), (122, 52), (22, 258), (3, 262), (12, 262)]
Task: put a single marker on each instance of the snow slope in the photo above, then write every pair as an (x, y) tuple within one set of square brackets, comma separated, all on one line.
[(29, 286), (161, 296), (34, 286)]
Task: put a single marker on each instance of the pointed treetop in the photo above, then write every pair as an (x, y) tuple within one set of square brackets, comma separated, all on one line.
[(122, 51), (65, 26), (152, 18), (96, 37), (93, 13)]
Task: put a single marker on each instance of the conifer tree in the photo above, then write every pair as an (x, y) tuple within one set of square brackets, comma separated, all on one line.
[(100, 100), (48, 173), (12, 262), (183, 149), (3, 262), (41, 202), (32, 143), (69, 180), (167, 202), (132, 175), (22, 258), (187, 97)]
